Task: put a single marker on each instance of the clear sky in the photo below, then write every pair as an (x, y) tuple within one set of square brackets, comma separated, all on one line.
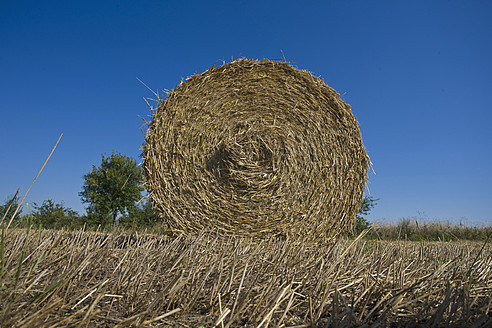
[(418, 75)]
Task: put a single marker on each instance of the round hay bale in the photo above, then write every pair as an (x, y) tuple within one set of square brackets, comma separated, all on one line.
[(255, 147)]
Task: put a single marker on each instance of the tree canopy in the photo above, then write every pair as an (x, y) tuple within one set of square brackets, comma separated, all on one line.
[(361, 223), (112, 188)]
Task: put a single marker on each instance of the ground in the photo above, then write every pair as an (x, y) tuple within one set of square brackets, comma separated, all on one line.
[(59, 278)]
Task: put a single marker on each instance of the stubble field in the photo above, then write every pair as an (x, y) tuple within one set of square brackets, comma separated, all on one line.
[(89, 279)]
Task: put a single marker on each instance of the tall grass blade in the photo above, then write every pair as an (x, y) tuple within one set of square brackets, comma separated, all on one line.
[(41, 170)]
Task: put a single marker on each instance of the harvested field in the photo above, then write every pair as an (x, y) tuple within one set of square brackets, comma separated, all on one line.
[(87, 279)]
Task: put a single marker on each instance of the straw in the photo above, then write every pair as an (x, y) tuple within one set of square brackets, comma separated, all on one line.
[(255, 147)]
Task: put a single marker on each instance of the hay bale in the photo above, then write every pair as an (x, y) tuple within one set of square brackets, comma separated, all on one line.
[(255, 147)]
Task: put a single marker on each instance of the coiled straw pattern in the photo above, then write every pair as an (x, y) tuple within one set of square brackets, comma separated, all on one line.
[(255, 147)]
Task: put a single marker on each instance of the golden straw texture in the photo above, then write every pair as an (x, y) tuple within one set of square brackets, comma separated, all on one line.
[(255, 147)]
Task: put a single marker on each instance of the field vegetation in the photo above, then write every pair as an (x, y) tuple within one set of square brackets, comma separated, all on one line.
[(415, 230), (79, 278)]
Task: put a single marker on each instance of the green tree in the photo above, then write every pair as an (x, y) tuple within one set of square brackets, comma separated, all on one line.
[(51, 215), (8, 209), (361, 223), (141, 216), (112, 188)]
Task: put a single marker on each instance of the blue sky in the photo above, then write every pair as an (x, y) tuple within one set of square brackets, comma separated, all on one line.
[(418, 75)]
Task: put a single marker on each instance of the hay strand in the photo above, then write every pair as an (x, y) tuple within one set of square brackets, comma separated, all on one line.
[(255, 147)]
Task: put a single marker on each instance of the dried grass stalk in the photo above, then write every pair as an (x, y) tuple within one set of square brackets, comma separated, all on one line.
[(255, 147)]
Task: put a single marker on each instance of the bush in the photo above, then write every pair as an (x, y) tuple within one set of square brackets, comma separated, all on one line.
[(141, 216), (8, 209), (51, 215)]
